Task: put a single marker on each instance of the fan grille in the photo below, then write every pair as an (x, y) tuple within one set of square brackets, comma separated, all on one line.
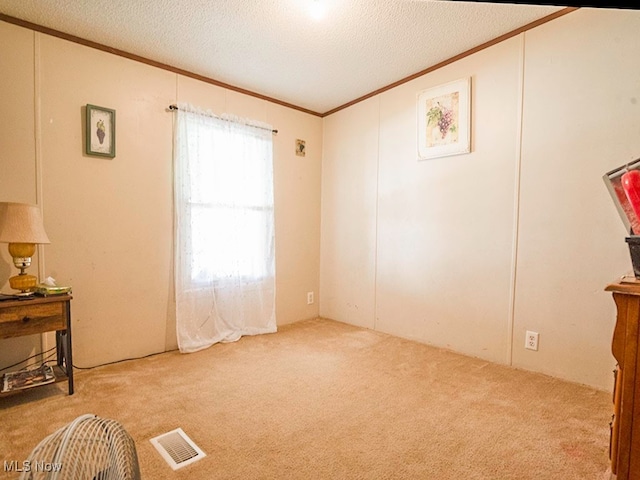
[(90, 447)]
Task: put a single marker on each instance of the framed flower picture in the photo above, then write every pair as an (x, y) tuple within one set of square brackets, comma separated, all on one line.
[(100, 131), (444, 122)]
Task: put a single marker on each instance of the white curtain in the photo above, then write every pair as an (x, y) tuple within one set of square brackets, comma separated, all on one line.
[(224, 233)]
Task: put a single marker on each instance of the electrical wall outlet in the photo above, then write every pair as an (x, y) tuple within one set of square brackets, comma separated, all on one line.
[(310, 298), (531, 340)]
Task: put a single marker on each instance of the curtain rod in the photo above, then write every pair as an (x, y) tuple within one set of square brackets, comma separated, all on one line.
[(175, 107)]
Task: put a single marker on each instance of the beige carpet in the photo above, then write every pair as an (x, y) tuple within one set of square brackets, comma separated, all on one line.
[(324, 400)]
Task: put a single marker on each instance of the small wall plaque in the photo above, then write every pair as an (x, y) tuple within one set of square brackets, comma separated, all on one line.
[(300, 148)]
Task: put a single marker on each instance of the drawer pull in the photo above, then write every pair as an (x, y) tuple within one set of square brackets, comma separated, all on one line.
[(27, 319)]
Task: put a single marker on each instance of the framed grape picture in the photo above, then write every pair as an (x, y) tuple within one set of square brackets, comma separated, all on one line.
[(444, 122), (100, 131)]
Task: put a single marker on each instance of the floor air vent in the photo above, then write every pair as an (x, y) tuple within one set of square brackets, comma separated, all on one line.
[(177, 448)]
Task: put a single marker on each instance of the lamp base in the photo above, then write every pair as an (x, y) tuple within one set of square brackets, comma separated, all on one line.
[(23, 282)]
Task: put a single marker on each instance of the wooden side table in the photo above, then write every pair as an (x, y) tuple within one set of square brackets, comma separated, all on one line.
[(38, 315), (625, 427)]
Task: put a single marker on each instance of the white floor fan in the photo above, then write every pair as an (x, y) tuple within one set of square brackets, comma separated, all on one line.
[(88, 448)]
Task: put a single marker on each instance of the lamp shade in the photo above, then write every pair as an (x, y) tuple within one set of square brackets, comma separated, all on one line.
[(21, 223)]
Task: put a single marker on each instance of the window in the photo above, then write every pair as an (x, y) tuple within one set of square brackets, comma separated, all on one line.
[(227, 189)]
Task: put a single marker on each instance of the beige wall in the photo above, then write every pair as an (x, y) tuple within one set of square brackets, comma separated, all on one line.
[(581, 119), (18, 171), (467, 252), (110, 220), (463, 252), (348, 237)]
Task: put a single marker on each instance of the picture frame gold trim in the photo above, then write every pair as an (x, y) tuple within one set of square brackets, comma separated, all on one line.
[(444, 120)]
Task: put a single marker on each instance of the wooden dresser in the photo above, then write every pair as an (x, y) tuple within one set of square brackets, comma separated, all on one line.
[(625, 427)]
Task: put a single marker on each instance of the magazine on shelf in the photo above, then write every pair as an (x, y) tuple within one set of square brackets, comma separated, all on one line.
[(28, 378)]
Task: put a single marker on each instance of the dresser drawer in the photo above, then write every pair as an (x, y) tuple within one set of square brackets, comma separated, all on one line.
[(31, 319)]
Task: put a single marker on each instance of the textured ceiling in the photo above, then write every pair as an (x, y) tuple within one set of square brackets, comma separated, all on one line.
[(275, 48)]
